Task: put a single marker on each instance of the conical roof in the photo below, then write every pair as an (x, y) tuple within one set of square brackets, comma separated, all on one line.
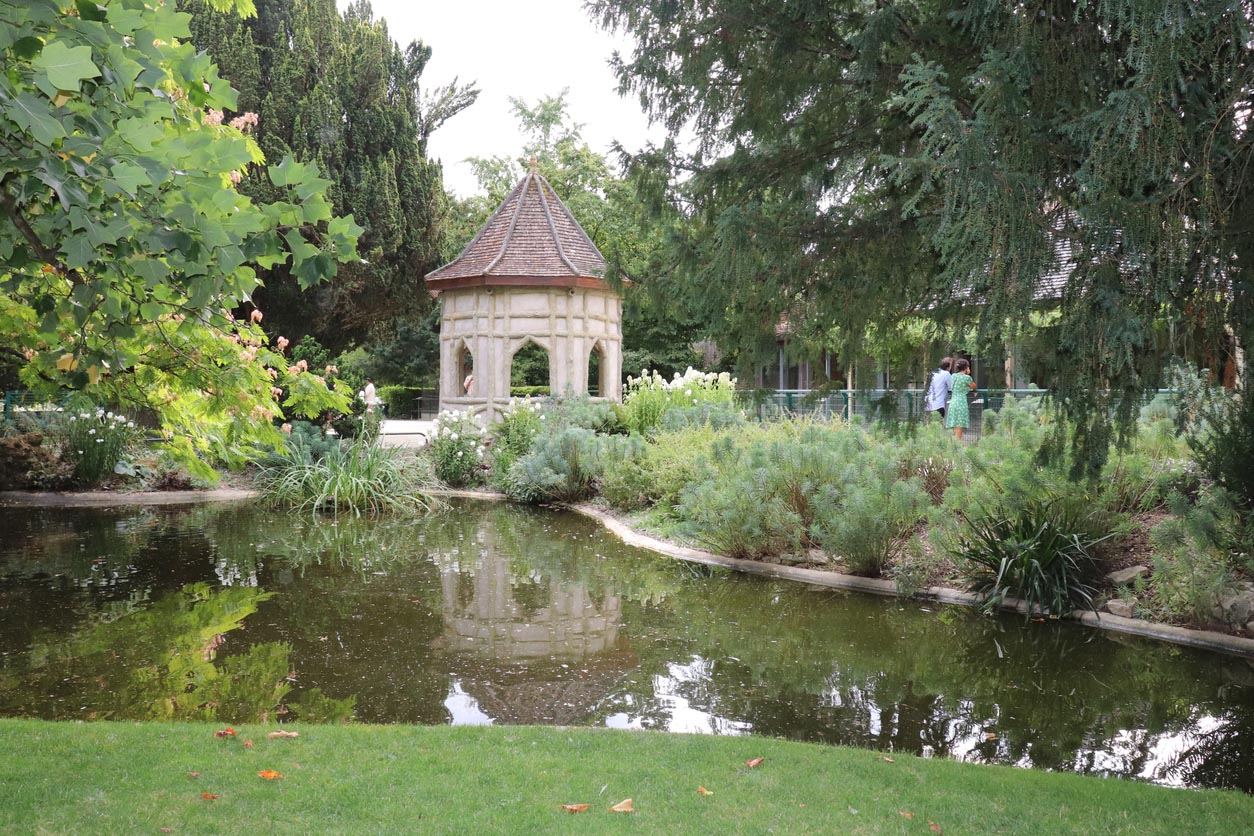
[(531, 239)]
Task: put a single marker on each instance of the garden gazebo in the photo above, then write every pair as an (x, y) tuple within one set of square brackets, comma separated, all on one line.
[(531, 276)]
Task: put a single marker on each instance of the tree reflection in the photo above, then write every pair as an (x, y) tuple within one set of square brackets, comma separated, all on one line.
[(163, 662)]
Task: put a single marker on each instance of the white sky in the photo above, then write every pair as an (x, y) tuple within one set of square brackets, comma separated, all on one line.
[(525, 50)]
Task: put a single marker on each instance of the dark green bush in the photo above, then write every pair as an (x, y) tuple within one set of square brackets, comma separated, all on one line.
[(1040, 552), (1223, 444), (402, 401)]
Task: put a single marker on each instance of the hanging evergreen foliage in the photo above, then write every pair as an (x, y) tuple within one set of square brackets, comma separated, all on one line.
[(860, 161)]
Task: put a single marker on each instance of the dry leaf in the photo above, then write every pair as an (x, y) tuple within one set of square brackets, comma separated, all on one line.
[(166, 830), (704, 791), (933, 826), (887, 759), (209, 796), (905, 815), (574, 808), (248, 744), (194, 774), (623, 806), (753, 763), (270, 774), (282, 735), (228, 732)]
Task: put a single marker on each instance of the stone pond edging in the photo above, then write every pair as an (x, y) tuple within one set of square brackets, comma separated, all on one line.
[(105, 499), (1205, 639)]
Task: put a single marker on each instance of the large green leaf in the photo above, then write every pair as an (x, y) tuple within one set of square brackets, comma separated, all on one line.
[(32, 114), (66, 66)]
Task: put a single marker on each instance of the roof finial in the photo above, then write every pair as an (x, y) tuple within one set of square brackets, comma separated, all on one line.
[(533, 163)]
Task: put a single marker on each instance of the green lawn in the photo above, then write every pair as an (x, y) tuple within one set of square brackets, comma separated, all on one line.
[(149, 778)]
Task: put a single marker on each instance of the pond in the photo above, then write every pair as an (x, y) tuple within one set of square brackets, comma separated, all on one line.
[(492, 613)]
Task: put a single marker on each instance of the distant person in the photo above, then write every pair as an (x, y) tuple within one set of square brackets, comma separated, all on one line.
[(369, 396), (938, 389), (468, 382), (959, 414)]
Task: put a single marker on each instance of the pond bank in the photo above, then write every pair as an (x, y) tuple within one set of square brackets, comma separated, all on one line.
[(107, 777), (1206, 639), (104, 499)]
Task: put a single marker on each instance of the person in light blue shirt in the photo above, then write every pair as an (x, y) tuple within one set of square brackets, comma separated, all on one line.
[(938, 389)]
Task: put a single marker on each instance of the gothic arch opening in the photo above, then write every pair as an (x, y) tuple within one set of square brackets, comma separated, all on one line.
[(598, 369), (530, 366), (464, 362)]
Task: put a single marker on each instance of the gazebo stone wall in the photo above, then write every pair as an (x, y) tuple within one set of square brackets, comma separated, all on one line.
[(494, 323), (530, 276)]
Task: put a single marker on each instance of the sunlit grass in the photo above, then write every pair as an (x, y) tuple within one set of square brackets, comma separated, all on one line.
[(138, 778)]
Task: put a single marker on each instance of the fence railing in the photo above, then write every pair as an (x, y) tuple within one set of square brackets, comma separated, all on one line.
[(885, 404)]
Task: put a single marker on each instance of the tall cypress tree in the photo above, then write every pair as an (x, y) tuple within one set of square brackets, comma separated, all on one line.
[(336, 89)]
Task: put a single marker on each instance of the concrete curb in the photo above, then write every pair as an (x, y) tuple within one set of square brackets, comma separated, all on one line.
[(105, 499), (1205, 639)]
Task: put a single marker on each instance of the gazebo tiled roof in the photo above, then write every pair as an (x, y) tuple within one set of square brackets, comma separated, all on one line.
[(532, 239)]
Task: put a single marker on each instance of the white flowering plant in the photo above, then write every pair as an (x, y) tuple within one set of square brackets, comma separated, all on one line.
[(650, 396), (514, 434), (457, 447), (96, 441)]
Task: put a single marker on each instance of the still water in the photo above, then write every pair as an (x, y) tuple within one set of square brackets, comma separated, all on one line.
[(491, 613)]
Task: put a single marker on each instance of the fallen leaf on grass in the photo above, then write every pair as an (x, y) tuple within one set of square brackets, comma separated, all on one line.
[(754, 763), (208, 795), (270, 774), (905, 815), (574, 808), (933, 826), (166, 830), (887, 759), (623, 806), (704, 791), (248, 744), (282, 735), (224, 733), (193, 774)]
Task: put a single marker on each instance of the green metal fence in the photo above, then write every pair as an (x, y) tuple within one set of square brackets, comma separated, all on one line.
[(885, 404)]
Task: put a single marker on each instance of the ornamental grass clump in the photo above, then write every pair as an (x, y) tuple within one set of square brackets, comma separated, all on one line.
[(358, 477), (97, 442), (1041, 553), (649, 397), (457, 449)]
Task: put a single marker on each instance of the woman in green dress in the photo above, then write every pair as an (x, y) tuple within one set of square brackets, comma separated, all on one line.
[(958, 415)]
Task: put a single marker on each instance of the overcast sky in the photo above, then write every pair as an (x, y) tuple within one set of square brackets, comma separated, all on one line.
[(525, 50)]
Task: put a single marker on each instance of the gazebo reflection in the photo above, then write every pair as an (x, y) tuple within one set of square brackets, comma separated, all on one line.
[(529, 648)]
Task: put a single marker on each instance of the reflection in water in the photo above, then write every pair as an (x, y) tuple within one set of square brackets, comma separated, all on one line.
[(493, 614), (490, 611)]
